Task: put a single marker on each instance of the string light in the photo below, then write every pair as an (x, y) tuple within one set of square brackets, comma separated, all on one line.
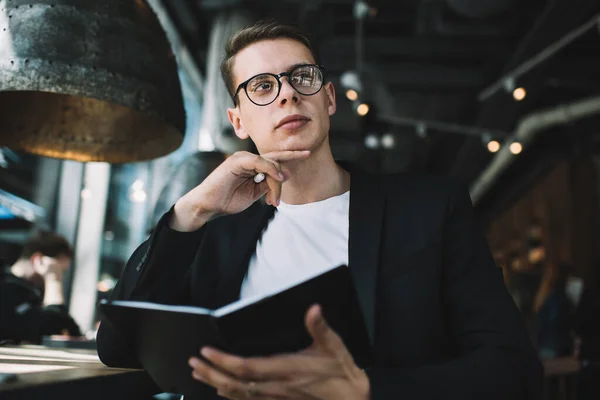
[(372, 141), (516, 148), (493, 146), (362, 109), (388, 141), (519, 93)]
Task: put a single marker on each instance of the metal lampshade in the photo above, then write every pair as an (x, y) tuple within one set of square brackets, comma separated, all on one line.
[(88, 81)]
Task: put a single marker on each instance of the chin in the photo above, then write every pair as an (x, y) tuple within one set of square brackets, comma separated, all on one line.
[(311, 143), (293, 143)]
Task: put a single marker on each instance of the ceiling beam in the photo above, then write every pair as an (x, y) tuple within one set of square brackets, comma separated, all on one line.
[(416, 75), (432, 75), (418, 48)]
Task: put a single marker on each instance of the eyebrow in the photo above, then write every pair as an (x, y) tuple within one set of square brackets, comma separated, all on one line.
[(296, 66), (292, 67)]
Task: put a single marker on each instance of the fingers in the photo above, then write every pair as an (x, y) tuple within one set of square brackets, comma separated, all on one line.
[(252, 163), (274, 183), (233, 388), (329, 342), (269, 164), (281, 367), (239, 367), (277, 158), (226, 385), (274, 193)]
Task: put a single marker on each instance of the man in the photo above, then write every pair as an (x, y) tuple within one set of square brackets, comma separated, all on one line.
[(31, 291), (441, 322)]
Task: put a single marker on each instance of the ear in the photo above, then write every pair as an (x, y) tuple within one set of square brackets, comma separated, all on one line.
[(330, 91), (36, 258), (37, 262), (236, 122)]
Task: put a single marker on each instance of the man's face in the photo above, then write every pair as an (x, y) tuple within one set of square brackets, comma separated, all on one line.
[(262, 123), (44, 265)]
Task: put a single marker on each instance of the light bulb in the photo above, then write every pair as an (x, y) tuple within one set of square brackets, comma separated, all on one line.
[(519, 93), (516, 147), (362, 109), (372, 141), (388, 141), (493, 146)]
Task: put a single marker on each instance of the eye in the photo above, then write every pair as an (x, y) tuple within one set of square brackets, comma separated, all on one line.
[(260, 85)]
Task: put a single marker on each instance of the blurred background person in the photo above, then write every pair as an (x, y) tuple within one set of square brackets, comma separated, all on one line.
[(31, 291), (554, 314)]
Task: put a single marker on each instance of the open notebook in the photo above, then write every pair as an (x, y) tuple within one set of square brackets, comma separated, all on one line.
[(165, 336)]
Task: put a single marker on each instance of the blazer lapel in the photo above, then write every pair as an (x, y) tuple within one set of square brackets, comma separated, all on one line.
[(250, 227), (367, 204)]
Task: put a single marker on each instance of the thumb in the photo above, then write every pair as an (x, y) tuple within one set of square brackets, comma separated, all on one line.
[(326, 340), (318, 328)]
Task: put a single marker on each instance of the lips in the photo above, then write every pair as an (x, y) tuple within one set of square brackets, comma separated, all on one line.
[(292, 121)]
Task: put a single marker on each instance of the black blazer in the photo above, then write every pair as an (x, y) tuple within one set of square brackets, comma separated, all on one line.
[(441, 321)]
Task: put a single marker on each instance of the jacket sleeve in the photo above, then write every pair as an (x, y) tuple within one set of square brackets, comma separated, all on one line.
[(158, 271), (56, 318), (22, 317), (495, 358)]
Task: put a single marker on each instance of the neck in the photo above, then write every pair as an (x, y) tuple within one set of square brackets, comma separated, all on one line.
[(315, 178), (22, 269)]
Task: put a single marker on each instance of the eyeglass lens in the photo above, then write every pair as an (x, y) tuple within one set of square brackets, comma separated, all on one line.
[(263, 89)]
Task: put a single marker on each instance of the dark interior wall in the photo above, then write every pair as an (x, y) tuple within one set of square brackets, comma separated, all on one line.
[(566, 203)]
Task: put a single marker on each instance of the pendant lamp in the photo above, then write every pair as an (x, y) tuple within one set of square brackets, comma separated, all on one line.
[(88, 80)]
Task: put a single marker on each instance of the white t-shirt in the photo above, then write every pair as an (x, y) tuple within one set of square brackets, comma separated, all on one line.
[(300, 241)]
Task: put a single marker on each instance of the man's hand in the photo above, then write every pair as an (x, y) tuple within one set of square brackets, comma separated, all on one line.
[(231, 188), (325, 370)]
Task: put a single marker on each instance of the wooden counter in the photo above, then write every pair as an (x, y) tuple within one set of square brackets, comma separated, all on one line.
[(45, 373)]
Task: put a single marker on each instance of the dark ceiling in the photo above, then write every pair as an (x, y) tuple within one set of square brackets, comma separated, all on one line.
[(430, 61)]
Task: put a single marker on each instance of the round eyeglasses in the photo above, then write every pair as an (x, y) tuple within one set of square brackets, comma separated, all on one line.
[(263, 89)]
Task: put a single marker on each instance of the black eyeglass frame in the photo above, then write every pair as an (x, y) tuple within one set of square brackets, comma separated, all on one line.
[(278, 77)]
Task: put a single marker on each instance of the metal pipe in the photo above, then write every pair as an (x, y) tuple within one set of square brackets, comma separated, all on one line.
[(480, 9), (538, 58), (528, 129), (533, 32), (184, 57), (361, 10), (216, 98), (444, 127), (359, 45), (21, 207), (88, 245)]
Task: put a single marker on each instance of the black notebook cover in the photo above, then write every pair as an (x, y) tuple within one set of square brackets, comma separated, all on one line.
[(165, 336)]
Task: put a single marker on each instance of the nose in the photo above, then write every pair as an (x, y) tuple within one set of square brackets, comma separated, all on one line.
[(287, 93)]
